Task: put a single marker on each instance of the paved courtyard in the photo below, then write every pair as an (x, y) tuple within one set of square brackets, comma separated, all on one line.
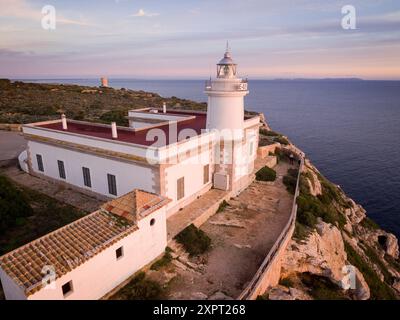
[(11, 145)]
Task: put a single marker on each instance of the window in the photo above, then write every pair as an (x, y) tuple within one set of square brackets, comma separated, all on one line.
[(61, 169), (180, 185), (67, 288), (40, 162), (119, 253), (86, 177), (112, 184), (206, 173), (152, 222)]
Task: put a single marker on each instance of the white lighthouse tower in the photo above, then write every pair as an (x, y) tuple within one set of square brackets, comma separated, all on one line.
[(226, 93), (225, 116)]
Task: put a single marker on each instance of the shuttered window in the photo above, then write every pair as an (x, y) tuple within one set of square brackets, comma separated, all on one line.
[(206, 173), (180, 185), (39, 162), (112, 184), (86, 177), (61, 169)]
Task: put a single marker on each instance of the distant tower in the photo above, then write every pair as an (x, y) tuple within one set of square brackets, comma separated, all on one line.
[(104, 82), (226, 93)]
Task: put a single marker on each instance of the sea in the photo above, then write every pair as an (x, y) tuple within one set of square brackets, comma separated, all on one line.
[(349, 128)]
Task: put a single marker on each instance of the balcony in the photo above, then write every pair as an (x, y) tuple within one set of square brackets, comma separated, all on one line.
[(240, 85)]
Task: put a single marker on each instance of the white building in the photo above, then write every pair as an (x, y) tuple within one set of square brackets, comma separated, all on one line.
[(168, 154), (177, 154)]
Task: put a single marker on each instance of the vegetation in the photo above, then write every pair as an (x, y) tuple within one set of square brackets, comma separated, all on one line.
[(140, 288), (287, 282), (290, 180), (222, 206), (322, 288), (369, 224), (194, 240), (379, 289), (14, 207), (281, 140), (29, 102), (266, 174), (301, 232), (44, 215), (165, 260), (370, 252), (269, 133)]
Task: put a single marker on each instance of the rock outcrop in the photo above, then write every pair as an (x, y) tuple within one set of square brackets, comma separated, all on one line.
[(345, 248)]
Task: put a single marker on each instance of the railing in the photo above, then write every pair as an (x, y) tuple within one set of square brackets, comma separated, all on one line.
[(249, 290), (240, 85)]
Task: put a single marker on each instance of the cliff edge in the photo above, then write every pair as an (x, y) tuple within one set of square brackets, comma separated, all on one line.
[(336, 252)]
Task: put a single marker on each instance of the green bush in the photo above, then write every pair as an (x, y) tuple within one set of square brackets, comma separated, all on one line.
[(281, 140), (222, 206), (290, 180), (165, 260), (322, 288), (269, 133), (13, 205), (266, 174), (369, 223), (140, 288), (194, 240), (118, 116)]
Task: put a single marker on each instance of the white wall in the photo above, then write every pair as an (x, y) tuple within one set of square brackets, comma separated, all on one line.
[(128, 175), (11, 290), (102, 273), (192, 170)]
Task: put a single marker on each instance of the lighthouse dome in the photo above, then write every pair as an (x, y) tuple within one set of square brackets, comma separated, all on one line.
[(227, 59)]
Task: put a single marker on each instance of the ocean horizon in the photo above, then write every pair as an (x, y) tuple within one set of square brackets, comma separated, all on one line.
[(349, 128)]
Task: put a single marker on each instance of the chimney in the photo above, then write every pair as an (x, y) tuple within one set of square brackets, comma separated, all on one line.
[(164, 107), (104, 82), (114, 130), (64, 122)]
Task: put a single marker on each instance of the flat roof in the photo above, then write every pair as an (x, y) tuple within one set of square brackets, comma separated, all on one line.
[(72, 245), (197, 122)]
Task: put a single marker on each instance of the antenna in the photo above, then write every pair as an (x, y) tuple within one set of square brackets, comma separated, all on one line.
[(227, 46)]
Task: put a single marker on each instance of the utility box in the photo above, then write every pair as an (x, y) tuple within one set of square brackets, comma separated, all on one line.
[(221, 181)]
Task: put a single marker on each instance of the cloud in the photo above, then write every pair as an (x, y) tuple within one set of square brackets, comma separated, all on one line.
[(142, 13)]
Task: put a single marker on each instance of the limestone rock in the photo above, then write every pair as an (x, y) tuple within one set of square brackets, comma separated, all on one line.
[(280, 293), (198, 296), (362, 291), (392, 245), (315, 184), (219, 296), (322, 254)]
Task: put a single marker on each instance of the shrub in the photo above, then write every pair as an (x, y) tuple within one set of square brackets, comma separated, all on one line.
[(222, 206), (287, 282), (290, 180), (369, 223), (266, 174), (118, 116), (140, 288), (13, 205), (281, 140), (165, 260), (322, 288), (269, 133), (194, 240), (301, 232)]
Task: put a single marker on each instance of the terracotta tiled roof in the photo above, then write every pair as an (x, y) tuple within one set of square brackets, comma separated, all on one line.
[(135, 205), (70, 246)]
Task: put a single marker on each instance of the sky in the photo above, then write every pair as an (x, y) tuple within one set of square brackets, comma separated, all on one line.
[(184, 39)]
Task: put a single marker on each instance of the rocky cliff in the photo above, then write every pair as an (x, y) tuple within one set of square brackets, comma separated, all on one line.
[(336, 252)]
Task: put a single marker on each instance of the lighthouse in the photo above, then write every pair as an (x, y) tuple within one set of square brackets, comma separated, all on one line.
[(225, 116), (226, 92)]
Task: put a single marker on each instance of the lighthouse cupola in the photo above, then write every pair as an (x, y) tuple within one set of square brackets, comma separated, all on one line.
[(225, 108)]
